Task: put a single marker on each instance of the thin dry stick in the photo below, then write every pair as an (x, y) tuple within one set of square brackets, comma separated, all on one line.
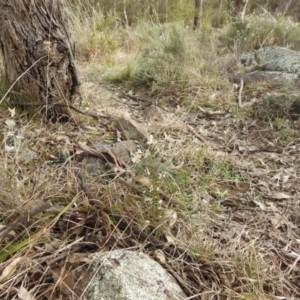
[(95, 116), (192, 129), (21, 77), (240, 93)]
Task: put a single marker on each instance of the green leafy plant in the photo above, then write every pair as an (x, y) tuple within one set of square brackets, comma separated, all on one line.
[(222, 194)]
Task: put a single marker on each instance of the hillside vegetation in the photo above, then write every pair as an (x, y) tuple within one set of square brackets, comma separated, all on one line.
[(213, 194)]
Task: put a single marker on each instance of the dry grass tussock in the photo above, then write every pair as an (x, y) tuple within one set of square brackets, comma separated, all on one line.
[(213, 196)]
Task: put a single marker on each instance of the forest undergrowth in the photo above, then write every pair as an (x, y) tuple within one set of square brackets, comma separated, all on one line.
[(212, 194)]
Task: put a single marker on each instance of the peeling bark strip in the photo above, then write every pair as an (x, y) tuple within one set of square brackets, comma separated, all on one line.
[(37, 30)]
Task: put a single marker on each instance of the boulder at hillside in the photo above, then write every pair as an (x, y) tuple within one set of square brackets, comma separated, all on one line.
[(271, 64)]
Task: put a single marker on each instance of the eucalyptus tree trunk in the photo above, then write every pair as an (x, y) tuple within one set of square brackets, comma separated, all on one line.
[(37, 52), (198, 15)]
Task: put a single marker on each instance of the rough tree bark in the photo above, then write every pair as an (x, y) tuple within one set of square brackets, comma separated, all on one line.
[(199, 13), (37, 52), (240, 9)]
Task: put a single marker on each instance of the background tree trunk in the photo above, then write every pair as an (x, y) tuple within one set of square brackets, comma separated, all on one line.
[(199, 13), (35, 42), (240, 9), (279, 6)]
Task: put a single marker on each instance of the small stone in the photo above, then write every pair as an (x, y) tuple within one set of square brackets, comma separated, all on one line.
[(154, 113), (124, 150), (132, 130)]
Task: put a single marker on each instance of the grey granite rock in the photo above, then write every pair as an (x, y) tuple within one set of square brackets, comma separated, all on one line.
[(126, 275)]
